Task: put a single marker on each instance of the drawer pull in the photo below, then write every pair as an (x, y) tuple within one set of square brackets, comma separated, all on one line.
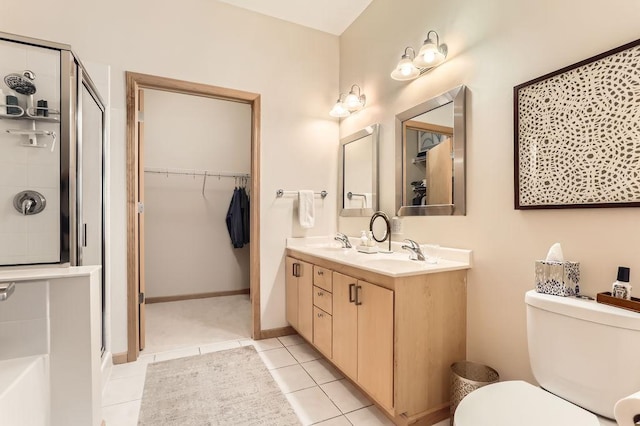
[(320, 272), (320, 293), (320, 315)]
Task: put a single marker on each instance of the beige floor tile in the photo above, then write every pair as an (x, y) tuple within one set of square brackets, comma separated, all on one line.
[(123, 389), (222, 346), (369, 416), (277, 358), (292, 378), (346, 397), (336, 421), (124, 414), (312, 405), (293, 339), (322, 371), (263, 345), (304, 352), (180, 353)]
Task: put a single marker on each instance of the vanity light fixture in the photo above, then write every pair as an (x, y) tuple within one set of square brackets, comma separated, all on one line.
[(347, 104), (431, 54)]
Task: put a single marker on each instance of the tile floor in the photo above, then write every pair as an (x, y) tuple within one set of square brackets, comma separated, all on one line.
[(317, 392)]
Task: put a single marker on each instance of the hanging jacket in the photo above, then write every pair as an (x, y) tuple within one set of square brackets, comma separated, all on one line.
[(246, 217), (234, 220)]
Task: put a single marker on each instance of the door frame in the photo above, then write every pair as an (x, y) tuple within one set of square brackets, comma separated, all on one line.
[(136, 81)]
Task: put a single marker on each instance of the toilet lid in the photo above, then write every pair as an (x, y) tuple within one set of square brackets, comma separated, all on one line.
[(519, 403)]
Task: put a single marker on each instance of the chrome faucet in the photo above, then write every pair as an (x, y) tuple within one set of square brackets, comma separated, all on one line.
[(343, 239), (414, 248), (387, 235)]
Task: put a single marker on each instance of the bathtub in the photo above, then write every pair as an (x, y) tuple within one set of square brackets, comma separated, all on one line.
[(24, 391)]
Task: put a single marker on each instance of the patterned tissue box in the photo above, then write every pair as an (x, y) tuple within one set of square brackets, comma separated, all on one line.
[(557, 278)]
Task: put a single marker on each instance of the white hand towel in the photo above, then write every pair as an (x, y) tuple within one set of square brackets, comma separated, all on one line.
[(306, 211), (627, 409)]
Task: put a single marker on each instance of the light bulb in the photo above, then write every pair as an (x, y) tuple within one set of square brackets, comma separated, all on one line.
[(405, 70), (339, 110), (352, 102), (429, 56)]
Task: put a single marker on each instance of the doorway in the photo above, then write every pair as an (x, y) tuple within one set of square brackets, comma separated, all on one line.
[(136, 85)]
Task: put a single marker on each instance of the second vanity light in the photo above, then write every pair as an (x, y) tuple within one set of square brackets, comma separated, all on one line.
[(347, 104), (412, 66)]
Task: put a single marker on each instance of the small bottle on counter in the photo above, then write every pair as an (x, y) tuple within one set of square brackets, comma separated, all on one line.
[(371, 242), (364, 241), (621, 288)]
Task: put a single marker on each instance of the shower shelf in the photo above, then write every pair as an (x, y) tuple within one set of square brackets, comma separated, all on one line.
[(26, 114)]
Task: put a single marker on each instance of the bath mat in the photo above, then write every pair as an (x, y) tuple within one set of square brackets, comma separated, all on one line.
[(231, 387)]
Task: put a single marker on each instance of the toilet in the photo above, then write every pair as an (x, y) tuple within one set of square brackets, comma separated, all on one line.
[(583, 354)]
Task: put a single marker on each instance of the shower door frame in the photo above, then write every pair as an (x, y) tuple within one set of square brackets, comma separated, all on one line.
[(135, 82)]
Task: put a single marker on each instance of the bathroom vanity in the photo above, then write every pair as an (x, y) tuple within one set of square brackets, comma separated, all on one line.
[(391, 325)]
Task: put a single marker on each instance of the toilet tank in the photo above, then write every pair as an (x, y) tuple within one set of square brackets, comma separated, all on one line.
[(583, 351)]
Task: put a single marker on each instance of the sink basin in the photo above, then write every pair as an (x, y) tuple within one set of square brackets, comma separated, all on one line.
[(330, 247), (398, 265)]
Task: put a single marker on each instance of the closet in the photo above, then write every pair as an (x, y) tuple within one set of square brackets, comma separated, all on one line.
[(196, 152)]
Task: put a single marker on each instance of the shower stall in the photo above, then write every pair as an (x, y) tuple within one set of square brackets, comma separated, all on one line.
[(52, 151)]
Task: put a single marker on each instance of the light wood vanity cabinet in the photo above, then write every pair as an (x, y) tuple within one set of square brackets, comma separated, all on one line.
[(299, 296), (394, 337), (363, 335)]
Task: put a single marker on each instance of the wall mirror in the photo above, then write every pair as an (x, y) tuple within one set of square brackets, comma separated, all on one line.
[(430, 157), (358, 173)]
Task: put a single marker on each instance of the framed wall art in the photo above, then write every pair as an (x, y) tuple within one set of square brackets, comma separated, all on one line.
[(577, 134)]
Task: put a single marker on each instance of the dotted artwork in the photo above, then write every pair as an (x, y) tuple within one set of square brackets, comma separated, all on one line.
[(578, 134)]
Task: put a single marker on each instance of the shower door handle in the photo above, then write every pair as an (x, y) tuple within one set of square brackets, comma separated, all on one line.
[(6, 290), (84, 235)]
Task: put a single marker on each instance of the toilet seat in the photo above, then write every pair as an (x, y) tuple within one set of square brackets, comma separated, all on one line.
[(519, 403)]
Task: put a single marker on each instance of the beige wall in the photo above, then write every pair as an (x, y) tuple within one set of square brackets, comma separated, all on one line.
[(493, 46), (295, 69)]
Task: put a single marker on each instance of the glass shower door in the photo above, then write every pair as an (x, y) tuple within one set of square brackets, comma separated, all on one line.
[(90, 154)]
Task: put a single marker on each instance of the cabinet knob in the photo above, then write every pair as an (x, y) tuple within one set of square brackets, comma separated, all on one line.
[(320, 293), (320, 272), (320, 315)]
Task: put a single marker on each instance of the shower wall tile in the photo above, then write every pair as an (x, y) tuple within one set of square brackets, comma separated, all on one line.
[(12, 174), (13, 245), (42, 177)]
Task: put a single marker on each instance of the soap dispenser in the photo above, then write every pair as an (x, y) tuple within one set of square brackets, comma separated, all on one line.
[(363, 239), (621, 288)]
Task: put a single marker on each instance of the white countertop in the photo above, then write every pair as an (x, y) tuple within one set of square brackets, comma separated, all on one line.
[(33, 273), (396, 264)]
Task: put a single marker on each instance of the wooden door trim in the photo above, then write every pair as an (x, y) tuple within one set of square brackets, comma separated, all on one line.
[(134, 82)]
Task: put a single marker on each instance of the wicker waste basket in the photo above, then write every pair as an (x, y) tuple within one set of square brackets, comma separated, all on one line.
[(466, 377)]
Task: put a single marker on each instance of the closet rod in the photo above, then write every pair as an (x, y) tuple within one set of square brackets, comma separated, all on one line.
[(187, 172)]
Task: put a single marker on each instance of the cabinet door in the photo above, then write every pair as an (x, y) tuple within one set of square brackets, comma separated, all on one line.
[(322, 331), (345, 325), (375, 341), (305, 300), (291, 289)]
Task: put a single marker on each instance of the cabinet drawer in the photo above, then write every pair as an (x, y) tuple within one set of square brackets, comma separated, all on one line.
[(323, 299), (322, 331), (322, 278)]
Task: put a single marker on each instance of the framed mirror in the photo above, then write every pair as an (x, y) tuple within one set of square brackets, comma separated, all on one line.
[(430, 157), (358, 173)]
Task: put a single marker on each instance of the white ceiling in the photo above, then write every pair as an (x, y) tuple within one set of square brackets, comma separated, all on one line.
[(331, 16)]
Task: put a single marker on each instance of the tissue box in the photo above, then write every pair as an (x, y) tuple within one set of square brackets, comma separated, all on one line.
[(557, 278)]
